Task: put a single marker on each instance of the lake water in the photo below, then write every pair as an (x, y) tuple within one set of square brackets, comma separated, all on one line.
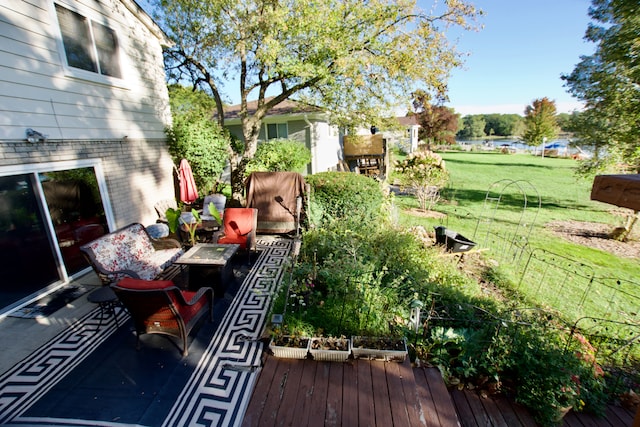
[(562, 145)]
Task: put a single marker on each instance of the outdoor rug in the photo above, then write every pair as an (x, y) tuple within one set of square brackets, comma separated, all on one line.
[(92, 376), (50, 303)]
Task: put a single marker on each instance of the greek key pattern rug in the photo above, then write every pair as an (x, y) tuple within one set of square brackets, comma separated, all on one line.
[(219, 389)]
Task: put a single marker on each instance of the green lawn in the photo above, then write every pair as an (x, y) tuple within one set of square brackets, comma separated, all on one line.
[(533, 191)]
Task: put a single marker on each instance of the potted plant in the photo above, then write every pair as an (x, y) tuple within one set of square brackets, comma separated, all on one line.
[(379, 348), (190, 220), (289, 346), (330, 349)]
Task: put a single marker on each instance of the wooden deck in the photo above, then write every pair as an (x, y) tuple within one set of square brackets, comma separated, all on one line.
[(372, 393)]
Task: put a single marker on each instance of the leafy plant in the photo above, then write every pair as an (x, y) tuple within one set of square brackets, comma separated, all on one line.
[(213, 211), (279, 155), (174, 218), (354, 198), (424, 173), (195, 137)]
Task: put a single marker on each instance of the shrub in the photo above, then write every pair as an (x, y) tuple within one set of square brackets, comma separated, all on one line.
[(354, 198), (280, 155), (197, 138), (425, 173)]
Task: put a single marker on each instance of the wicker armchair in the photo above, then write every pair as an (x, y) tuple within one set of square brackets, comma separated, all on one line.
[(160, 307)]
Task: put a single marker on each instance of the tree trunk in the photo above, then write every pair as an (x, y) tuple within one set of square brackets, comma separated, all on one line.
[(251, 131)]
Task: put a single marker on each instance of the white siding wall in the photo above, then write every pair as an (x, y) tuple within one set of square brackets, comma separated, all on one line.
[(325, 147), (38, 92), (87, 119)]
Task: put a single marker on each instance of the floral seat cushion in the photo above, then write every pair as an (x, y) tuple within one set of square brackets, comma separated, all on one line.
[(129, 252)]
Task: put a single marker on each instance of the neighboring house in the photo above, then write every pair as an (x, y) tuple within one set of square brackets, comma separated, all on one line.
[(298, 121), (407, 138), (404, 136), (83, 105)]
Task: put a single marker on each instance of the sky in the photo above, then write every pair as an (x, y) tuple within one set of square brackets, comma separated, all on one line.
[(519, 56)]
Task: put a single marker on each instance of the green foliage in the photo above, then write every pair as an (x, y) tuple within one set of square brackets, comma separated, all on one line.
[(540, 122), (550, 378), (472, 127), (481, 125), (424, 173), (608, 81), (195, 137), (347, 197), (280, 155), (175, 221), (357, 62), (213, 211), (502, 124), (438, 124)]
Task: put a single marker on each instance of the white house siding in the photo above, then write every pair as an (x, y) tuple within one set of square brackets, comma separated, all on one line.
[(119, 121), (318, 136), (325, 146)]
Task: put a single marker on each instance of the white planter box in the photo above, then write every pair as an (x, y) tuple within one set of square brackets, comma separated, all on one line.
[(330, 355), (361, 351), (290, 352)]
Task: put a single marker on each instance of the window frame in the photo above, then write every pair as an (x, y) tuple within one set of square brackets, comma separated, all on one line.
[(92, 20), (278, 126)]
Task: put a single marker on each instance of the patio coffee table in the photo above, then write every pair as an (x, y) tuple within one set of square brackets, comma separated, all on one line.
[(209, 265)]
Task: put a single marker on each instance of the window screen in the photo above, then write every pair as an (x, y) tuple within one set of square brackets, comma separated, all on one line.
[(84, 41)]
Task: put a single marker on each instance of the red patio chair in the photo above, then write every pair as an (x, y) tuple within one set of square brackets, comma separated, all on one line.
[(239, 226), (160, 307)]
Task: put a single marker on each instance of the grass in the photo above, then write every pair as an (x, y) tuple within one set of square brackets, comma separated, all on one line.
[(534, 191)]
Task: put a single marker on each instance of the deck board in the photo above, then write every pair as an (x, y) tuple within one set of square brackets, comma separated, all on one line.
[(366, 415), (350, 395), (390, 394), (380, 395), (442, 399), (274, 395), (305, 394), (463, 408), (478, 409), (493, 411), (288, 401), (320, 388), (333, 411), (410, 391)]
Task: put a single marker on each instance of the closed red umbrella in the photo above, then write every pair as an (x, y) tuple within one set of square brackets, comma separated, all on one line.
[(188, 190)]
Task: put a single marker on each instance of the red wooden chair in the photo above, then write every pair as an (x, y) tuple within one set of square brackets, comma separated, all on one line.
[(160, 307), (239, 226)]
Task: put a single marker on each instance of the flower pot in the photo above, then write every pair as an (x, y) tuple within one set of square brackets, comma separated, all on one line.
[(290, 347), (330, 349), (379, 348)]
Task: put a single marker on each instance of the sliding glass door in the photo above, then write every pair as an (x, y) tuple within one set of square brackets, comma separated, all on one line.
[(27, 261), (45, 216)]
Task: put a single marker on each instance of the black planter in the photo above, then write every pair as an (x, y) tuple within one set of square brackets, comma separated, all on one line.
[(455, 242)]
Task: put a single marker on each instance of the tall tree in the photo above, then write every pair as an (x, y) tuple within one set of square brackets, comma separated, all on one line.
[(356, 59), (472, 126), (608, 81), (540, 121), (438, 124), (193, 136), (501, 124)]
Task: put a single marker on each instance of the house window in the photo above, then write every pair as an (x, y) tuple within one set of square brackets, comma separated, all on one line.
[(277, 130), (88, 45)]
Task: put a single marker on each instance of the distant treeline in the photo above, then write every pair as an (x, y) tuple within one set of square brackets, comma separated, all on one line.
[(483, 125)]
